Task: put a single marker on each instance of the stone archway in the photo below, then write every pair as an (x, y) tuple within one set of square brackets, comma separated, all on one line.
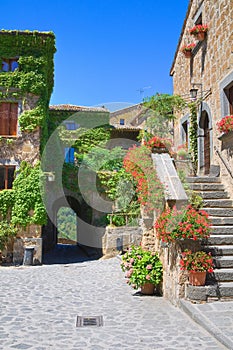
[(205, 140)]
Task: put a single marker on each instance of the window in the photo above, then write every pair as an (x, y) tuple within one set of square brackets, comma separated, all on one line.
[(69, 154), (122, 121), (71, 125), (6, 176), (229, 95), (8, 118), (9, 64), (184, 132)]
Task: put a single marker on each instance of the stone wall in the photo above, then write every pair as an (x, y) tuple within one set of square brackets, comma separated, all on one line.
[(174, 279), (211, 64), (118, 239)]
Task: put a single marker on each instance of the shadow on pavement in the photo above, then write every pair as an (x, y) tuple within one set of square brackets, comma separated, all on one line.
[(68, 254)]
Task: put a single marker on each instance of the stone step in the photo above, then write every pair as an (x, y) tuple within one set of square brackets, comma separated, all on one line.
[(214, 240), (206, 187), (223, 261), (220, 250), (223, 212), (223, 275), (217, 221), (222, 290), (222, 230), (203, 179), (213, 194), (217, 203)]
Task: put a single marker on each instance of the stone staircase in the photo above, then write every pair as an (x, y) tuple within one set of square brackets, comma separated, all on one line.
[(219, 206)]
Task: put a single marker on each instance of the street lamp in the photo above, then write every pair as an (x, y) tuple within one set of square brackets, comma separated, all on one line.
[(193, 91)]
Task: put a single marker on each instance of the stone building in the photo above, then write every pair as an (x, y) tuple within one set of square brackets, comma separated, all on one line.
[(210, 71), (26, 83)]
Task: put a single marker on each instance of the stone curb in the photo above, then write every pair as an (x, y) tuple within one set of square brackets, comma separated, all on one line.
[(200, 318)]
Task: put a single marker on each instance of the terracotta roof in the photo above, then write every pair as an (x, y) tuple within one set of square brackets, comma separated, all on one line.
[(181, 35), (126, 127), (68, 107)]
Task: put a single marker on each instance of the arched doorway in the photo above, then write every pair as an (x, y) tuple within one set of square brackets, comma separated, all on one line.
[(205, 139)]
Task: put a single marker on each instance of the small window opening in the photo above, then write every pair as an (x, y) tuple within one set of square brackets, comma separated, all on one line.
[(9, 64), (6, 176)]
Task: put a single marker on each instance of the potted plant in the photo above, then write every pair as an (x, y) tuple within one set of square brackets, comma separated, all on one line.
[(187, 50), (225, 125), (182, 152), (199, 31), (197, 264), (142, 269), (189, 223)]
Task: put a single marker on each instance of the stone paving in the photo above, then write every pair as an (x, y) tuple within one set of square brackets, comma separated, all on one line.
[(39, 307)]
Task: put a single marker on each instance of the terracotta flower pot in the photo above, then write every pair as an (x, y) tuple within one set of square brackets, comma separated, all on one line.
[(197, 278), (148, 289), (200, 36), (187, 54)]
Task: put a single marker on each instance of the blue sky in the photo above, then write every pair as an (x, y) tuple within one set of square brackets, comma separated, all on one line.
[(107, 50)]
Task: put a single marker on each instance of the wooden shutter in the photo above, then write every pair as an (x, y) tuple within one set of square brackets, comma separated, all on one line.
[(13, 119), (4, 118)]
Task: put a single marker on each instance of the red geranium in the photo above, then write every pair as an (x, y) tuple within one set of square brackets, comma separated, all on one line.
[(226, 124)]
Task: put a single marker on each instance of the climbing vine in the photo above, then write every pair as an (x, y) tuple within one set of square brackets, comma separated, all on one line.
[(34, 75), (23, 204), (193, 150)]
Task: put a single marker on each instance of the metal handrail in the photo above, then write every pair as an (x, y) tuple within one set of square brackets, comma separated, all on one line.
[(223, 160)]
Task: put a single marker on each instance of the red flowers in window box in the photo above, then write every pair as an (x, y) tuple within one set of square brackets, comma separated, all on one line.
[(187, 49), (226, 124), (199, 31)]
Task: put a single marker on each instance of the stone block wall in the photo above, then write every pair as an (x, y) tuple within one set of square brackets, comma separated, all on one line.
[(118, 239), (210, 65)]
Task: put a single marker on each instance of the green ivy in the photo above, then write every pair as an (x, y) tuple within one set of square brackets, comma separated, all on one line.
[(193, 150), (35, 74), (28, 207), (7, 230)]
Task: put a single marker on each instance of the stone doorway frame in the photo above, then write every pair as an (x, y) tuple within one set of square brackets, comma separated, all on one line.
[(204, 113)]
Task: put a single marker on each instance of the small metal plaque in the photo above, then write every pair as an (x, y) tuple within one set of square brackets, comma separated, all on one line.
[(83, 321)]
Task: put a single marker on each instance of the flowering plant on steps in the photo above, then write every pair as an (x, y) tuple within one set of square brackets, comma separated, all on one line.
[(196, 262), (189, 222), (141, 266)]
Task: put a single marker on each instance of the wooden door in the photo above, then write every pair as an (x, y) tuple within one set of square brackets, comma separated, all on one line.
[(206, 146)]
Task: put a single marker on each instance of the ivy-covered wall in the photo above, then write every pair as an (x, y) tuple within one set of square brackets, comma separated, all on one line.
[(34, 75)]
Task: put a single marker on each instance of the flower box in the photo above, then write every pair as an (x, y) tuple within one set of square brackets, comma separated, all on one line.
[(199, 31), (187, 50)]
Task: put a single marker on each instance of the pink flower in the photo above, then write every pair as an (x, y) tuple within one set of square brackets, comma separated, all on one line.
[(149, 267), (148, 277), (131, 260)]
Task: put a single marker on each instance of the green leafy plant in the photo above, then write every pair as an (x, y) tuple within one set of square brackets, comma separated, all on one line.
[(196, 262), (175, 224), (7, 230), (193, 151), (141, 266), (33, 77)]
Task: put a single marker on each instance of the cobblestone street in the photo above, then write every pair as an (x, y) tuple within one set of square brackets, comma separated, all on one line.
[(39, 308)]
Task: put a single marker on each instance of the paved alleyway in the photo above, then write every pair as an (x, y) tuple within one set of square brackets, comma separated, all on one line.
[(39, 307)]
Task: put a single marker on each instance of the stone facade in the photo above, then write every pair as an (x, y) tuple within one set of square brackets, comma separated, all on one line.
[(210, 70), (118, 239)]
